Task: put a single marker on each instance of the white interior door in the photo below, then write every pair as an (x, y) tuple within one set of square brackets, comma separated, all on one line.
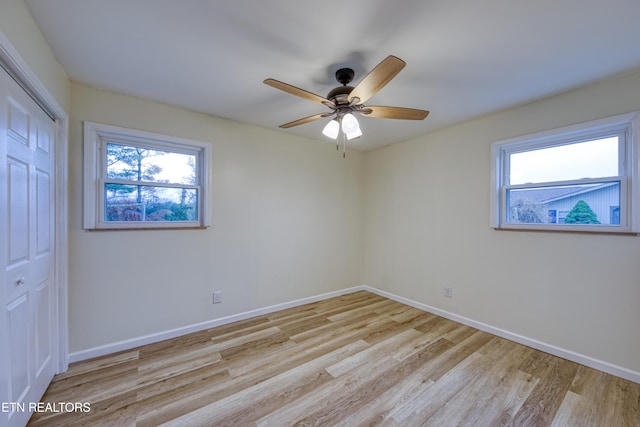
[(27, 318)]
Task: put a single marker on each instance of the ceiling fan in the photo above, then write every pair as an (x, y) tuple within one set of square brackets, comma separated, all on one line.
[(344, 101)]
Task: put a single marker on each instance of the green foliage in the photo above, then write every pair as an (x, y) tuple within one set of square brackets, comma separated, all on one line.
[(129, 210), (527, 212), (581, 214), (179, 213)]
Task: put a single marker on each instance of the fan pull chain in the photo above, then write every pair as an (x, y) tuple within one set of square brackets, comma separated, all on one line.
[(340, 133), (344, 146)]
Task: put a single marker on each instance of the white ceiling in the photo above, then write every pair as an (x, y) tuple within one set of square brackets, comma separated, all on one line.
[(465, 58)]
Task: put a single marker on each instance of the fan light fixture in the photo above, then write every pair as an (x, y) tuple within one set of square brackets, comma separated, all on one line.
[(332, 129), (349, 125)]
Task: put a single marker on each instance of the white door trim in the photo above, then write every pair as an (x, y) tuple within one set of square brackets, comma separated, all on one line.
[(11, 59)]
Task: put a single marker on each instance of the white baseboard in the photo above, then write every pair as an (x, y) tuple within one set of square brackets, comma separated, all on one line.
[(600, 365), (173, 333), (530, 342)]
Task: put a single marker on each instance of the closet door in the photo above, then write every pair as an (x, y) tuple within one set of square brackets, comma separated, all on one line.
[(27, 251)]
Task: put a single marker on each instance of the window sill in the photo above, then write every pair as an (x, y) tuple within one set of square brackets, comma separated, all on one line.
[(151, 227), (567, 231)]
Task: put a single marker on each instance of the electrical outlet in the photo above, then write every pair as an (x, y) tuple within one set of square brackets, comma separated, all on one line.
[(217, 297), (448, 292)]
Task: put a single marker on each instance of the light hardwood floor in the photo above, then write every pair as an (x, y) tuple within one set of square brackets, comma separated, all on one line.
[(358, 359)]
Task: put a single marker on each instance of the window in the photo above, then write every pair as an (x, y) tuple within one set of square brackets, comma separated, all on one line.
[(136, 179), (577, 178)]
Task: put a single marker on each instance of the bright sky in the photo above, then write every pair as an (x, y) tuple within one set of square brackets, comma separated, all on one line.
[(591, 159), (175, 168)]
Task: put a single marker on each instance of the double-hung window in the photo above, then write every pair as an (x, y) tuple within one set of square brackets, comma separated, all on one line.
[(578, 178), (136, 179)]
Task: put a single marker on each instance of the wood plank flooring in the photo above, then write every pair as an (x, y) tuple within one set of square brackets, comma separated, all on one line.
[(354, 360)]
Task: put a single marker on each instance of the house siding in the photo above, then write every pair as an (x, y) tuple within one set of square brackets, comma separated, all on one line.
[(600, 201)]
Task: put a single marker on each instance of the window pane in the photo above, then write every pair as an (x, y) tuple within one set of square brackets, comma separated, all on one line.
[(148, 203), (565, 204), (591, 159), (143, 164)]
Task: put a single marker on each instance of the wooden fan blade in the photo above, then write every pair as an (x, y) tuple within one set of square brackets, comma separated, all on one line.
[(305, 120), (394, 112), (297, 91), (377, 79)]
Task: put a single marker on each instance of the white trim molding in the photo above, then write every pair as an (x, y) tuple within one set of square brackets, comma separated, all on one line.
[(96, 138), (27, 79), (177, 332), (520, 339), (591, 362), (625, 128)]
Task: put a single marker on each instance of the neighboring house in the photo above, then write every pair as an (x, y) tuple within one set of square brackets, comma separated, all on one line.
[(552, 204)]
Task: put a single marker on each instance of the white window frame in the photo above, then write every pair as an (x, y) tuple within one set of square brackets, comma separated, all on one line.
[(97, 135), (628, 172)]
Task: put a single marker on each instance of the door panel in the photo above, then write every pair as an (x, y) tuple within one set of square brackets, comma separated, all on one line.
[(43, 223), (41, 265), (18, 121), (27, 312), (18, 189), (43, 325), (20, 375)]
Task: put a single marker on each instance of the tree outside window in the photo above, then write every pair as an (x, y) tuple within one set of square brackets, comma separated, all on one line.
[(581, 214)]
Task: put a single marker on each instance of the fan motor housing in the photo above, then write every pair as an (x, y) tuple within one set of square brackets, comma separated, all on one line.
[(339, 95)]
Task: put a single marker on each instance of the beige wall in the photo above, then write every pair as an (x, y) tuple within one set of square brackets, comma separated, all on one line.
[(19, 27), (426, 226), (286, 225), (292, 219)]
